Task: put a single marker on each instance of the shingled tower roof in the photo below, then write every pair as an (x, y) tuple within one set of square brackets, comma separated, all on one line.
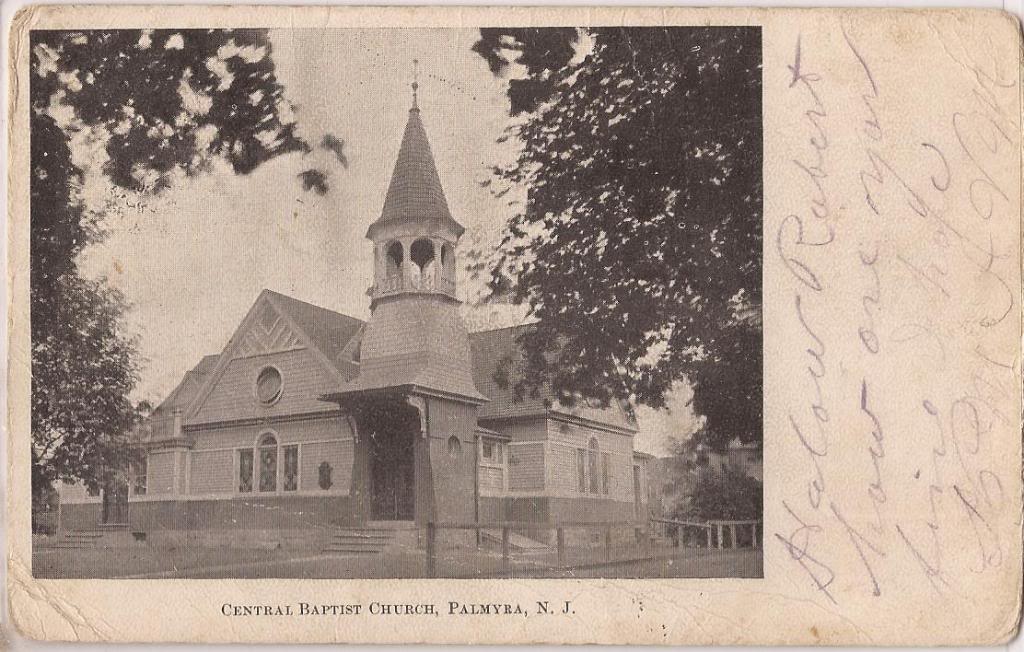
[(415, 193)]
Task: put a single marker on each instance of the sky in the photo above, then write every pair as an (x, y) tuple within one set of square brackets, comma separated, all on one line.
[(192, 260)]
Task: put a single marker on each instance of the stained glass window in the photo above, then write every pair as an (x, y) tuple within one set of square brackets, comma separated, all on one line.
[(245, 471), (581, 470), (291, 468), (606, 461), (268, 469)]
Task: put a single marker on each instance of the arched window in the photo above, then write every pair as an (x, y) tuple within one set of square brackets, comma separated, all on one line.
[(593, 455), (268, 439), (454, 447), (421, 253), (447, 263), (395, 256), (268, 462), (258, 467)]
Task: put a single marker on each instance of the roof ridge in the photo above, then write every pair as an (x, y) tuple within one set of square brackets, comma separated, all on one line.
[(288, 297)]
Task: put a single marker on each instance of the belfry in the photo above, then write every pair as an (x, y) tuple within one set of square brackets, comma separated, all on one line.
[(415, 335), (415, 354)]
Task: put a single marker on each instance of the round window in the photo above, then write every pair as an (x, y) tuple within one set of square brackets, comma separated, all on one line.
[(268, 385), (454, 446)]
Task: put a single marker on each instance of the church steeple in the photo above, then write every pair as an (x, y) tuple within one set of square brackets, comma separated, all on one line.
[(415, 236), (415, 193), (415, 337)]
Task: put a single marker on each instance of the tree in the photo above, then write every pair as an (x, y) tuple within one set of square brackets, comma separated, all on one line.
[(638, 247), (700, 491), (164, 103), (730, 495)]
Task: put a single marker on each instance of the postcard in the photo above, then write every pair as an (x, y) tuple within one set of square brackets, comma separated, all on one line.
[(514, 325)]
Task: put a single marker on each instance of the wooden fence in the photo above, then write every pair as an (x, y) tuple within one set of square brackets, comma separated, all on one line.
[(506, 527), (675, 528)]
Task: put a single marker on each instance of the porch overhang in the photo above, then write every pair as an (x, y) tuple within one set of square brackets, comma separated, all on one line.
[(347, 396)]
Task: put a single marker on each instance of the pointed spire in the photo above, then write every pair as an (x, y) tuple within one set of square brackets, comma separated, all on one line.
[(415, 193)]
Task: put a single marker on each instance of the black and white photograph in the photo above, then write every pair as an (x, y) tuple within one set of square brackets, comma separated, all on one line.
[(396, 303)]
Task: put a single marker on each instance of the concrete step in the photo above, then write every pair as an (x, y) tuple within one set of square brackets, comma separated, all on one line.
[(362, 536), (516, 541), (361, 550), (67, 545), (390, 525), (362, 541)]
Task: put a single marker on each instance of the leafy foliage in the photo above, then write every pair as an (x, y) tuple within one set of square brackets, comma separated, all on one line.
[(729, 495), (162, 102), (83, 370), (702, 492), (168, 99), (638, 249), (336, 146), (542, 51), (314, 179)]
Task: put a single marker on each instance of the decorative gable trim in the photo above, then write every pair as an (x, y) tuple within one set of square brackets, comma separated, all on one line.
[(280, 330), (268, 333)]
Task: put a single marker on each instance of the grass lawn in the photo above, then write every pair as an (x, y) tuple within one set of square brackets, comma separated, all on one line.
[(144, 561)]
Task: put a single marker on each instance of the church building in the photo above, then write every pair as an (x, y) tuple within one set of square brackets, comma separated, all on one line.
[(310, 420)]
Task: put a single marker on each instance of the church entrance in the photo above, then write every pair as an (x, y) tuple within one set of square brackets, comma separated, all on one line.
[(392, 495), (385, 468)]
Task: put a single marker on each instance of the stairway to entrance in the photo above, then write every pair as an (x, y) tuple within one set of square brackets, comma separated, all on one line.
[(373, 538)]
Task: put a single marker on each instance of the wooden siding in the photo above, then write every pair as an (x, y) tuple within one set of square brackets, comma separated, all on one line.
[(561, 468), (526, 467), (566, 438), (491, 479), (233, 396), (339, 454), (160, 473), (212, 472), (521, 429), (214, 466), (290, 432)]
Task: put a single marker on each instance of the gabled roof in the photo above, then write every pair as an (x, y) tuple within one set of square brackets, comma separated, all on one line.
[(335, 338), (496, 355), (326, 333), (159, 426), (186, 391), (415, 193), (331, 332)]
